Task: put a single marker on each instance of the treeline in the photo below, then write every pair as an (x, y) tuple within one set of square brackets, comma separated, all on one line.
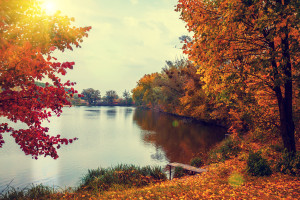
[(179, 89), (93, 97)]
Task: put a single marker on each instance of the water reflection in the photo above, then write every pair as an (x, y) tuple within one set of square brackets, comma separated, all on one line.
[(92, 114), (128, 112), (159, 155), (107, 136), (180, 139), (111, 113)]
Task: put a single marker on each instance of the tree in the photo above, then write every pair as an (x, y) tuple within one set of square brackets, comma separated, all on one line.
[(111, 95), (145, 93), (127, 97), (250, 48), (91, 95), (28, 38)]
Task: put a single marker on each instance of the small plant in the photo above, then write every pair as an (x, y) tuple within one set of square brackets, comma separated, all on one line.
[(257, 165), (179, 172), (236, 179), (289, 163), (228, 148), (196, 162)]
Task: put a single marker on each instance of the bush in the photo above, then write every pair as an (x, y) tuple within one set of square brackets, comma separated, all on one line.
[(102, 179), (277, 147), (228, 148), (196, 162), (179, 172), (257, 165), (289, 163)]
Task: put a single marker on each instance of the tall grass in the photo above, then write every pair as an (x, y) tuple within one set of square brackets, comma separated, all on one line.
[(96, 180), (121, 176), (30, 192)]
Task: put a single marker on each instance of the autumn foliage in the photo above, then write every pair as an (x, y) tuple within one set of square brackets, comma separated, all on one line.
[(245, 57), (28, 37)]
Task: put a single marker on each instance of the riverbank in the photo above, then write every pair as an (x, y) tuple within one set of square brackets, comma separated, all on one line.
[(223, 181), (227, 178), (184, 118)]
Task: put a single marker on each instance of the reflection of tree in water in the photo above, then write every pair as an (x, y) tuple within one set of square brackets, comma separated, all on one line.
[(180, 139), (128, 111), (158, 155), (92, 113), (111, 113)]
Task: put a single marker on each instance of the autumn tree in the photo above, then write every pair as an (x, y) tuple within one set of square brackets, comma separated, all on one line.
[(91, 95), (250, 48), (28, 38), (177, 89), (146, 93), (171, 81)]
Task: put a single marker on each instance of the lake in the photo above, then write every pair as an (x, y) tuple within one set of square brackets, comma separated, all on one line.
[(107, 136)]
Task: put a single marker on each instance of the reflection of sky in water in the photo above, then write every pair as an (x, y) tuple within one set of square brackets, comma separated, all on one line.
[(107, 136)]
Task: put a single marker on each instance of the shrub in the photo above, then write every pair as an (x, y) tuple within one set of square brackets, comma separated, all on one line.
[(289, 163), (227, 149), (277, 147), (179, 172), (196, 162), (257, 165)]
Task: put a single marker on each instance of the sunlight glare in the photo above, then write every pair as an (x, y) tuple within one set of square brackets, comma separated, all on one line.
[(49, 6)]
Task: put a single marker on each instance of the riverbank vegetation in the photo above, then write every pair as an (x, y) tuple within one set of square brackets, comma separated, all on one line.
[(230, 179)]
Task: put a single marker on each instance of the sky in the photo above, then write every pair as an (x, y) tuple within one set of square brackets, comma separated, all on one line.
[(128, 39)]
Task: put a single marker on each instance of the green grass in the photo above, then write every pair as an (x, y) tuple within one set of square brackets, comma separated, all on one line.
[(117, 178), (30, 192), (120, 176)]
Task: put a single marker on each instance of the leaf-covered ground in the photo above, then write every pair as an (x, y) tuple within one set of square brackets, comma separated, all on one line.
[(226, 180)]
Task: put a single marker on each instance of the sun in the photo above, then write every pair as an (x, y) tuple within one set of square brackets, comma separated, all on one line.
[(49, 6)]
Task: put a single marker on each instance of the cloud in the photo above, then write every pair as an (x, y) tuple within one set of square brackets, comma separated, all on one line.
[(134, 2), (130, 21), (125, 42)]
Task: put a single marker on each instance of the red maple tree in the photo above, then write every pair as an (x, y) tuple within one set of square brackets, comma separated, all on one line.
[(28, 37)]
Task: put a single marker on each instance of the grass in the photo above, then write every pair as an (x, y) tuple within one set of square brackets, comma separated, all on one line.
[(30, 192), (120, 176), (96, 181)]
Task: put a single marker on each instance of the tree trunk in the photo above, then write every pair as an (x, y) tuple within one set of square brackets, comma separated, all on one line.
[(287, 127), (285, 103)]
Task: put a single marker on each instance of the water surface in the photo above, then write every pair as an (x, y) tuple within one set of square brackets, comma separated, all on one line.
[(107, 136)]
